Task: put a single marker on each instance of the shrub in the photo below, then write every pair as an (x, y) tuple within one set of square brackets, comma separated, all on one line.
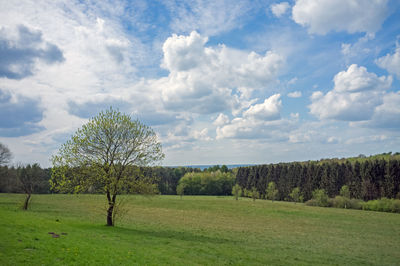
[(207, 183), (340, 202), (321, 198), (311, 202), (396, 206), (382, 205), (355, 204)]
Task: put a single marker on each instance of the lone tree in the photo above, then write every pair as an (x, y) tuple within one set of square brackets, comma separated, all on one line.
[(5, 154), (180, 189), (31, 178), (102, 154), (271, 191), (296, 195), (236, 191)]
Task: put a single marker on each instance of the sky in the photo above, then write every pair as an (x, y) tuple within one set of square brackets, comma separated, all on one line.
[(220, 82)]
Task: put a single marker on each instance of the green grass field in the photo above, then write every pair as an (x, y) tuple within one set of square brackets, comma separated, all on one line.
[(197, 230)]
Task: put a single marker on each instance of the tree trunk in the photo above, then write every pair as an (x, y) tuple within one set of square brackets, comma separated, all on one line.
[(26, 203), (110, 210)]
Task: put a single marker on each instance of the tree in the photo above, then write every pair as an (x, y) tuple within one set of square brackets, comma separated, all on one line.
[(296, 195), (345, 191), (272, 191), (31, 179), (180, 189), (236, 191), (254, 193), (101, 154), (320, 197), (5, 154)]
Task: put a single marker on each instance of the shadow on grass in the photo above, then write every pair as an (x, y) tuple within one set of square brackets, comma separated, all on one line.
[(126, 233)]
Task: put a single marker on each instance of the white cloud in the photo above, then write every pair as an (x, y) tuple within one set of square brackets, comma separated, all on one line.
[(259, 121), (391, 62), (204, 79), (355, 96), (207, 16), (322, 16), (221, 120), (294, 94), (201, 134), (280, 9), (333, 140), (358, 79), (387, 115), (268, 110)]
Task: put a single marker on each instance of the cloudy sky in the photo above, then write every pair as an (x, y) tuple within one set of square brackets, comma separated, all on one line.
[(221, 82)]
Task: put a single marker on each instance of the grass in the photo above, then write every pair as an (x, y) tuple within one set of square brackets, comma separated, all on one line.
[(197, 230)]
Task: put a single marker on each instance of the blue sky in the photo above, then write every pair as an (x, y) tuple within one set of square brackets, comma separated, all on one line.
[(221, 82)]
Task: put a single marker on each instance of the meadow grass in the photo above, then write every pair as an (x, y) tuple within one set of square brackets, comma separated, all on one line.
[(197, 230)]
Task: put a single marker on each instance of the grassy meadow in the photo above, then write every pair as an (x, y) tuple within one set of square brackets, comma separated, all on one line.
[(195, 230)]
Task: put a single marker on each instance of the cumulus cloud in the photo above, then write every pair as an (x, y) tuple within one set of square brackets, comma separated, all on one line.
[(391, 62), (221, 120), (204, 79), (280, 9), (355, 96), (21, 49), (268, 110), (258, 121), (294, 94), (322, 16)]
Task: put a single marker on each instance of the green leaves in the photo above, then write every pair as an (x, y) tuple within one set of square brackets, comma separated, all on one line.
[(98, 154)]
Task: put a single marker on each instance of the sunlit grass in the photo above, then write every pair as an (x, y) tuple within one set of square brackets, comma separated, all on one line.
[(195, 230)]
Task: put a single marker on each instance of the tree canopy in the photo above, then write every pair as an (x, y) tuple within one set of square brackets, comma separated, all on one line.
[(101, 155)]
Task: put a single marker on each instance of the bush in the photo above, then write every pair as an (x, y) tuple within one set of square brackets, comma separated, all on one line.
[(321, 198), (341, 202), (311, 202), (355, 204), (396, 206), (207, 183), (382, 205)]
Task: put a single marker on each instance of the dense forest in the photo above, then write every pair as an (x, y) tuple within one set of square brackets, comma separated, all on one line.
[(11, 178), (367, 177)]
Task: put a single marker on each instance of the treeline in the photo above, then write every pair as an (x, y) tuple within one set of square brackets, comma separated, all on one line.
[(206, 183), (165, 178), (19, 179), (367, 179)]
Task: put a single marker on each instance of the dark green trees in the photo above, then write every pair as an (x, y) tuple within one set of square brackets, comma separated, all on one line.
[(366, 178)]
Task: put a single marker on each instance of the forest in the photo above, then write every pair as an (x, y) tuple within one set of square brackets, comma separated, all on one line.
[(368, 178)]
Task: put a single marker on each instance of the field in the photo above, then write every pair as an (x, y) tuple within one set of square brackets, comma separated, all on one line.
[(195, 230)]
